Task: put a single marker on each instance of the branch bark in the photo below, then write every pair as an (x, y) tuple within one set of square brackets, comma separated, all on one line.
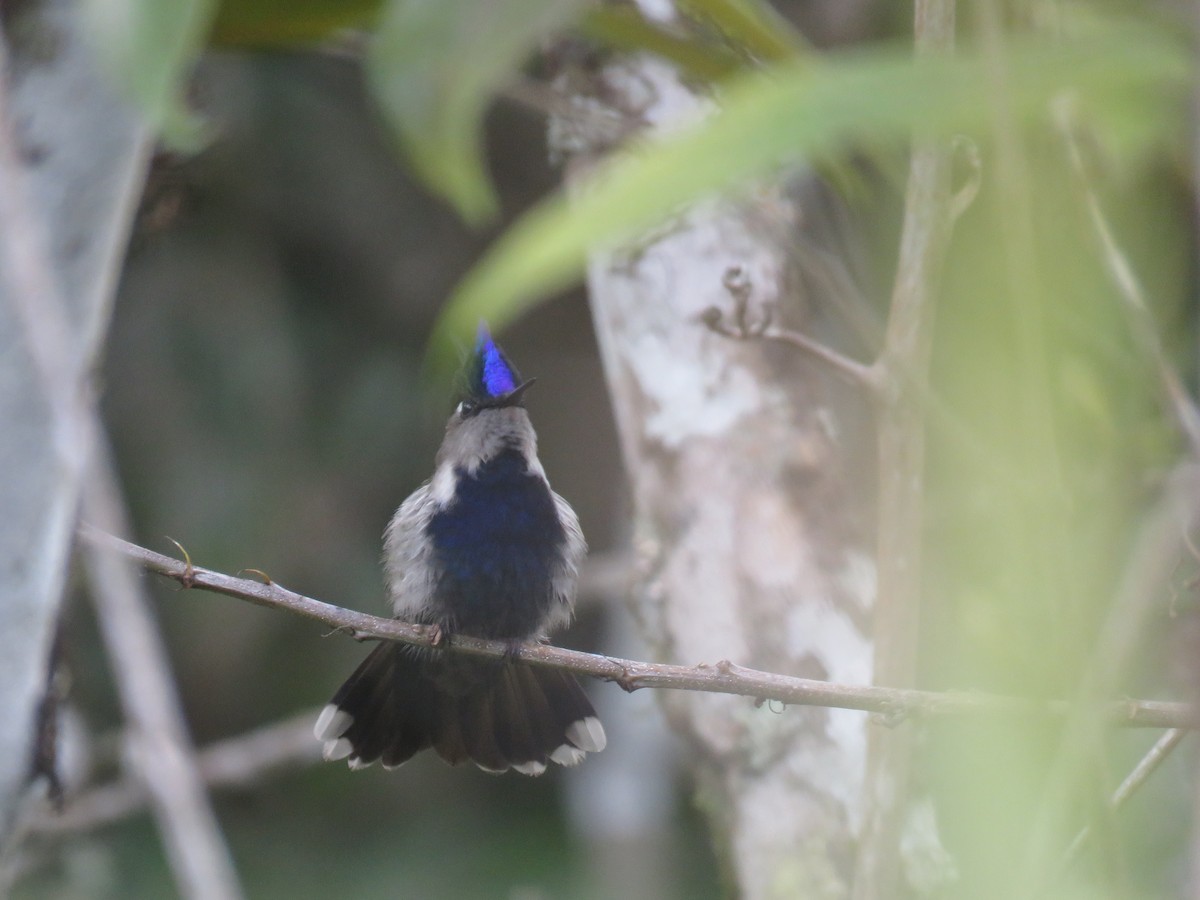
[(895, 705), (1137, 310), (1140, 774)]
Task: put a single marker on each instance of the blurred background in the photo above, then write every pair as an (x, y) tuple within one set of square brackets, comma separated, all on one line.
[(262, 388)]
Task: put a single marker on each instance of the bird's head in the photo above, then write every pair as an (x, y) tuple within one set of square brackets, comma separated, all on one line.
[(491, 380), (491, 415)]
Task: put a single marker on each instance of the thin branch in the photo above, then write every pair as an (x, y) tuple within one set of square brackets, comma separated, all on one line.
[(894, 705), (902, 369), (851, 370), (1152, 558), (1146, 766), (239, 762), (1137, 310), (743, 328)]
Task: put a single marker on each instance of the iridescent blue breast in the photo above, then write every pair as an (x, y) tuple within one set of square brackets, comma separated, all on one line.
[(497, 546)]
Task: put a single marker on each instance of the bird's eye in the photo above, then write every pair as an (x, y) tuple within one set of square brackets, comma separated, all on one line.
[(467, 408)]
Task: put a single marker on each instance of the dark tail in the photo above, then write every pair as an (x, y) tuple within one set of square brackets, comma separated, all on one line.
[(499, 715)]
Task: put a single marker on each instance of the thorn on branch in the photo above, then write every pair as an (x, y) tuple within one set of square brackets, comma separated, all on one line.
[(626, 681), (891, 715), (266, 579), (187, 579)]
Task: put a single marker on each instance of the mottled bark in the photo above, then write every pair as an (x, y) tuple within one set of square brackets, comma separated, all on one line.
[(750, 551), (71, 168)]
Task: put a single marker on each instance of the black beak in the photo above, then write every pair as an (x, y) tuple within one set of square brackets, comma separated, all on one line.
[(513, 397)]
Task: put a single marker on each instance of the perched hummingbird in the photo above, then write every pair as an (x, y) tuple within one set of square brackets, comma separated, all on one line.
[(484, 548)]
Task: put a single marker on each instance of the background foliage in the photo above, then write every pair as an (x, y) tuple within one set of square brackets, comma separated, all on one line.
[(265, 385)]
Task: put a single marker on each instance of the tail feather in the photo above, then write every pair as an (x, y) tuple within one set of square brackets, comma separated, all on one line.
[(543, 718), (400, 701), (447, 737), (411, 731), (516, 727), (566, 697), (479, 731), (372, 705)]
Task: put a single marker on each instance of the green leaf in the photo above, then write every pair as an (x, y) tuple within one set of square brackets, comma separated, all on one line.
[(625, 28), (752, 26), (433, 66), (151, 46), (286, 23), (799, 111)]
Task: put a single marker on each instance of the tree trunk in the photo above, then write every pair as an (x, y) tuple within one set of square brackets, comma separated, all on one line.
[(750, 548), (72, 157)]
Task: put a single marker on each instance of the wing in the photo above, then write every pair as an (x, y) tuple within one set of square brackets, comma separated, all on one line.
[(565, 579), (407, 555)]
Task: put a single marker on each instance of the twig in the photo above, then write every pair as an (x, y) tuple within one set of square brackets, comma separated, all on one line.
[(1141, 773), (902, 369), (238, 762), (724, 677), (1152, 558), (742, 329), (853, 371), (159, 749), (1137, 310)]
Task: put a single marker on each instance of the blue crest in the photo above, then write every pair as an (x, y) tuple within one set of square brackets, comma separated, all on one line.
[(489, 374)]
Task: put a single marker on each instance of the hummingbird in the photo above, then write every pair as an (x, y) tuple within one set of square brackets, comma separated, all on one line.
[(483, 548)]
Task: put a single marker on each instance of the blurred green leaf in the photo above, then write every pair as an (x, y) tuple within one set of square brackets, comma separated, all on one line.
[(283, 23), (434, 64), (751, 26), (625, 28), (795, 111), (713, 40), (151, 45), (725, 39)]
